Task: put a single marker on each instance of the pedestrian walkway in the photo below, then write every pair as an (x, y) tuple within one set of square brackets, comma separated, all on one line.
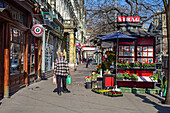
[(40, 98)]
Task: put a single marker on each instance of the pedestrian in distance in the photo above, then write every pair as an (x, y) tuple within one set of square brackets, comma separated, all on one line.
[(87, 62), (61, 70)]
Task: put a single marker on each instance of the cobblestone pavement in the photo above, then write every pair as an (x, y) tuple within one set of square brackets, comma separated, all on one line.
[(40, 98)]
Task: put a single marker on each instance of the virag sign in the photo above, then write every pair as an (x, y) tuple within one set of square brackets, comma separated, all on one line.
[(128, 18)]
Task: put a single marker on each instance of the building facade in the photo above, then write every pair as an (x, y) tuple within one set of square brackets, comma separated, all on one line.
[(16, 40), (27, 58), (73, 13)]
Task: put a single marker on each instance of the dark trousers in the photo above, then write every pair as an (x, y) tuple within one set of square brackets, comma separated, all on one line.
[(59, 78)]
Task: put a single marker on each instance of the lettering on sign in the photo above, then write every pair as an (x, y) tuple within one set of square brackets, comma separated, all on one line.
[(128, 18)]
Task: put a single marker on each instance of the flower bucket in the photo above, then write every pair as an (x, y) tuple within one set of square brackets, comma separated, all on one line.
[(88, 85)]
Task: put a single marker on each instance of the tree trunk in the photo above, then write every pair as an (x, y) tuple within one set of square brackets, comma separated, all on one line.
[(167, 99)]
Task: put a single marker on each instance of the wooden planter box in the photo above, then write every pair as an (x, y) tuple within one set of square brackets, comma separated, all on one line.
[(138, 90), (153, 91), (126, 89)]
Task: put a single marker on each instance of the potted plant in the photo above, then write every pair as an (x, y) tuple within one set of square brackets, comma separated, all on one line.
[(149, 65), (88, 82), (120, 76), (134, 77), (137, 64), (126, 75), (154, 76)]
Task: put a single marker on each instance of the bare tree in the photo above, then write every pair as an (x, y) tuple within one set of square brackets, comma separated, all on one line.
[(167, 9), (100, 14)]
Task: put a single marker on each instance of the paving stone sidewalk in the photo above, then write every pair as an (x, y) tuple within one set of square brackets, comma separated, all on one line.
[(41, 98)]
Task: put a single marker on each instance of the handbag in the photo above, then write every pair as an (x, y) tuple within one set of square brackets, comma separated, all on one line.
[(68, 79), (54, 79)]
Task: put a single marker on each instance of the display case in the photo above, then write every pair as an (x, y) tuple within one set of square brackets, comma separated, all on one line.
[(137, 51)]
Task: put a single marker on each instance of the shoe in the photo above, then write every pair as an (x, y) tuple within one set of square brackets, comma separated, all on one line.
[(66, 91), (59, 93)]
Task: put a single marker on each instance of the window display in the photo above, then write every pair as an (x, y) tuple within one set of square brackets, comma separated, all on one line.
[(120, 48), (127, 51), (126, 48), (145, 54), (131, 48), (32, 56), (144, 48), (146, 51), (131, 53), (150, 48), (120, 53), (17, 38), (150, 54), (145, 60), (139, 48), (150, 60), (14, 59), (49, 57)]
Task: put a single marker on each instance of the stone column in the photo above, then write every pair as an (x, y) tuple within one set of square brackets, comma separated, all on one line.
[(71, 51), (71, 47), (59, 43), (74, 52), (64, 48)]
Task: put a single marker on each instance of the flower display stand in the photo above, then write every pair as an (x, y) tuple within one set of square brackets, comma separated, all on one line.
[(113, 93)]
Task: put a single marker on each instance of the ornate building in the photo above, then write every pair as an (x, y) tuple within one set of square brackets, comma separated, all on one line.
[(73, 13)]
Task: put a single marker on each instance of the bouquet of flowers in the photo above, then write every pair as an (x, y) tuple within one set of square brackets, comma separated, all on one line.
[(88, 78), (99, 67)]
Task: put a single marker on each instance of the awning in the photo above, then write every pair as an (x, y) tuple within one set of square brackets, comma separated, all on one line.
[(116, 35)]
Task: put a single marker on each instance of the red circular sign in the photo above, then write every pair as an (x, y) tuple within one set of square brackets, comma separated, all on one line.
[(37, 30)]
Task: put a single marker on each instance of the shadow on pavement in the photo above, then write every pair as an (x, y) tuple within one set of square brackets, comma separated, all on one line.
[(160, 108), (55, 90)]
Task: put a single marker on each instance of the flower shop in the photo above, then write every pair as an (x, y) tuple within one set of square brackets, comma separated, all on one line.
[(127, 63)]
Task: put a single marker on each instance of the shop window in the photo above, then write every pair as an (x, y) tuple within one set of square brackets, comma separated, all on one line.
[(32, 56), (49, 55), (145, 60), (22, 59), (145, 51), (126, 51), (16, 51), (14, 59), (130, 60)]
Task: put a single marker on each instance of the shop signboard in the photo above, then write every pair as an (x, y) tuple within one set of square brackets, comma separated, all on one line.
[(107, 44), (37, 30), (128, 18), (49, 16)]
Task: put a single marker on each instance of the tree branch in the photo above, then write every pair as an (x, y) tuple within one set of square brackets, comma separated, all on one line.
[(165, 5), (152, 16), (131, 12)]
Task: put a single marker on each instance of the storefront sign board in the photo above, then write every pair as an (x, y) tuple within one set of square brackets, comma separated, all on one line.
[(128, 18), (37, 30)]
